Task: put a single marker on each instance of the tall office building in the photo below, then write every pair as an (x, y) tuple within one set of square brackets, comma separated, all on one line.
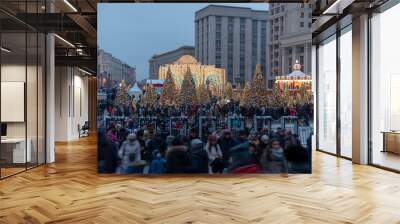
[(167, 58), (233, 38), (290, 38)]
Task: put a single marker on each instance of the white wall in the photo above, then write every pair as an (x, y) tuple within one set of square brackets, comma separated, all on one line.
[(71, 103)]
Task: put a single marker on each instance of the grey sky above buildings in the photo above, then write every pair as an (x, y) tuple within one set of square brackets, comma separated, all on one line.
[(135, 32)]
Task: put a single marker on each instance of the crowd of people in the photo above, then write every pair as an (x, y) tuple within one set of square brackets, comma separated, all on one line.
[(126, 145), (146, 152), (213, 108)]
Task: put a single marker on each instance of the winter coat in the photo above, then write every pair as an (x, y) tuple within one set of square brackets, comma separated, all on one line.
[(178, 159), (274, 161), (199, 159), (241, 156), (226, 144), (129, 153)]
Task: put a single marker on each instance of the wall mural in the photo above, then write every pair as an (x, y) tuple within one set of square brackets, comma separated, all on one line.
[(188, 118)]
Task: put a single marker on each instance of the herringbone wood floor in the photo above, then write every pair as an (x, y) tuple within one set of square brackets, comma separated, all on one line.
[(70, 191)]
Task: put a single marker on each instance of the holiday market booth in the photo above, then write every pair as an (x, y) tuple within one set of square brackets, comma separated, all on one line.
[(295, 80), (135, 92)]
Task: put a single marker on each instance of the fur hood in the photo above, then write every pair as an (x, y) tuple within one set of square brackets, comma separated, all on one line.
[(178, 148)]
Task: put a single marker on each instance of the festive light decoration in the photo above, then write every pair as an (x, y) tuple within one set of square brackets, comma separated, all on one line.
[(214, 78), (187, 93), (228, 92), (123, 96), (203, 95), (303, 96), (295, 80), (237, 92), (276, 97), (169, 91), (246, 95), (258, 95), (149, 99)]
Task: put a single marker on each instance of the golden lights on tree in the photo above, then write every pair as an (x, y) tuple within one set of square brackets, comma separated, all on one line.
[(123, 96), (168, 94), (228, 92), (246, 95), (258, 90), (149, 99), (203, 94), (237, 92), (187, 93)]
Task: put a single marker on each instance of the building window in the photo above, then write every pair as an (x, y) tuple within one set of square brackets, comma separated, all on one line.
[(385, 86), (218, 19), (327, 96)]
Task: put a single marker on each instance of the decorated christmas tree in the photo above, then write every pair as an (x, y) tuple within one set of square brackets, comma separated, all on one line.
[(122, 96), (277, 97), (246, 95), (304, 96), (187, 93), (168, 94), (258, 90), (203, 94), (228, 92), (237, 92), (149, 99), (287, 98)]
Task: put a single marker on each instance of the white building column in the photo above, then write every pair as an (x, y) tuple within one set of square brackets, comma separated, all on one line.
[(360, 90), (307, 58), (294, 57), (283, 61), (50, 98)]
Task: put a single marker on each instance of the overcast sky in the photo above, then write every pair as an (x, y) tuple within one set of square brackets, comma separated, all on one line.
[(134, 32)]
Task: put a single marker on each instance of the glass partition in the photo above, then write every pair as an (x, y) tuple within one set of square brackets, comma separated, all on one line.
[(31, 97), (346, 92), (13, 86), (385, 89), (41, 97), (22, 88), (327, 95)]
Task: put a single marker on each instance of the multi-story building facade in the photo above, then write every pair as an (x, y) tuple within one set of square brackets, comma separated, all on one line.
[(167, 58), (111, 70), (290, 38), (233, 38)]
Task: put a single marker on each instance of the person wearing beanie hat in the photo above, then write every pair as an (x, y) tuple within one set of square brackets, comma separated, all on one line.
[(264, 139), (196, 143), (199, 157), (129, 154), (178, 157)]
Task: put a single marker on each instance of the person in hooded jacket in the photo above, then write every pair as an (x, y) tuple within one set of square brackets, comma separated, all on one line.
[(199, 157), (107, 154), (273, 159), (226, 142), (129, 153), (178, 158)]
